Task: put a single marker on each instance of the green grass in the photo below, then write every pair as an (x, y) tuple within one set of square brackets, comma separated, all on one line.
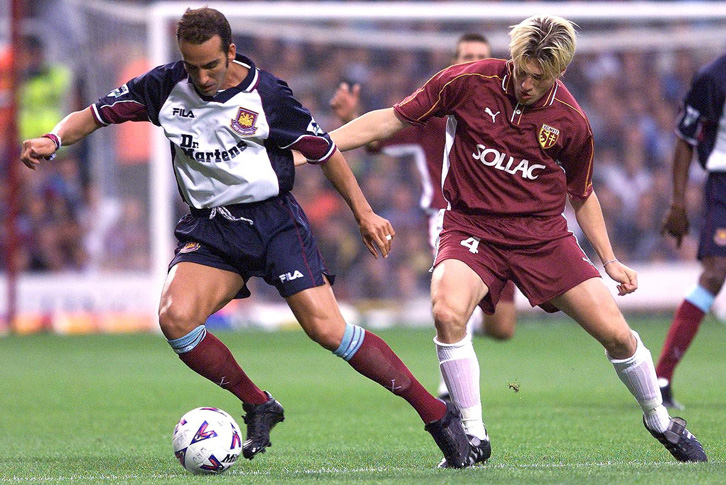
[(101, 409)]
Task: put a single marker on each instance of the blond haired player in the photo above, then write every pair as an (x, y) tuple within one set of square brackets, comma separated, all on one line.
[(506, 179)]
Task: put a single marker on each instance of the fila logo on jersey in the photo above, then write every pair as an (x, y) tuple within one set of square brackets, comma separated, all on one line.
[(493, 115), (548, 136), (182, 113), (244, 122), (494, 158), (290, 276)]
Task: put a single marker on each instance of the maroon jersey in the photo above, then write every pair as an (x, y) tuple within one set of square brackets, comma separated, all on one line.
[(425, 143), (503, 158)]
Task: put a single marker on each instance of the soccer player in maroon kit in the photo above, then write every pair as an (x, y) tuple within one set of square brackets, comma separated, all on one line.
[(517, 147), (425, 142)]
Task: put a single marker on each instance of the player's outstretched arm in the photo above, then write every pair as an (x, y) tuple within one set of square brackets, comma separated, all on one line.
[(70, 130), (675, 221), (589, 216), (377, 232), (372, 126)]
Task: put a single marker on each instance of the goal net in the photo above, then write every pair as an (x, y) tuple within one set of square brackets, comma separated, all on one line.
[(633, 65)]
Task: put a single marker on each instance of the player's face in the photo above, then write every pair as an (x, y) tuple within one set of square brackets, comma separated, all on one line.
[(207, 64), (472, 50), (530, 83)]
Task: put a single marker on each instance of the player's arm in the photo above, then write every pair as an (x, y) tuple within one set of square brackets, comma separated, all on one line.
[(70, 130), (675, 221), (376, 231), (590, 218), (372, 126)]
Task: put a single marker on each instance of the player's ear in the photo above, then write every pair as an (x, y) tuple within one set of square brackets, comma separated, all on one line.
[(232, 52)]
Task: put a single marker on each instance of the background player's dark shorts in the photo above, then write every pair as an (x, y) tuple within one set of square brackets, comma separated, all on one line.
[(277, 246), (542, 271), (713, 227)]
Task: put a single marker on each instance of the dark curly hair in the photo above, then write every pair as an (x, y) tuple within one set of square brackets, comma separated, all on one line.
[(201, 24)]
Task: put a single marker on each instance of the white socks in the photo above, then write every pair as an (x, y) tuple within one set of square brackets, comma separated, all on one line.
[(638, 374), (476, 322), (460, 370)]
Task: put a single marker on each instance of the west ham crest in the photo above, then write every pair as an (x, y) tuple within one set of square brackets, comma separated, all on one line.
[(548, 136), (244, 122)]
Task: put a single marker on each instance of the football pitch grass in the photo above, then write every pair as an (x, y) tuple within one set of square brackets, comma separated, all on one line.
[(101, 409)]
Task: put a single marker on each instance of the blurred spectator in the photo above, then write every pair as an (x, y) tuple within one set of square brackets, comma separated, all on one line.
[(631, 98), (44, 89)]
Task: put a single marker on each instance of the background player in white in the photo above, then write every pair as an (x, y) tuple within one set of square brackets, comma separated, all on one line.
[(506, 181), (701, 128), (427, 142), (231, 129)]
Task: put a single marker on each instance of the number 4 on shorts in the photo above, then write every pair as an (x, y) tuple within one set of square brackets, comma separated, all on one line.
[(472, 243)]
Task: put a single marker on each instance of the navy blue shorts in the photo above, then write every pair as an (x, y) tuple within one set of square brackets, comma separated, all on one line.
[(269, 239), (713, 228)]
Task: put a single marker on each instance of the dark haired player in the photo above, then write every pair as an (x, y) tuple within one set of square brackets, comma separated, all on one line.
[(701, 128), (231, 128)]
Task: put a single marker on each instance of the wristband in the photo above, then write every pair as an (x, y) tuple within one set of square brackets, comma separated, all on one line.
[(55, 138), (608, 262)]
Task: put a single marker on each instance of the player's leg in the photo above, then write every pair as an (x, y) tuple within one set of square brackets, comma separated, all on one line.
[(191, 293), (319, 315), (500, 325), (455, 291), (686, 322), (592, 306)]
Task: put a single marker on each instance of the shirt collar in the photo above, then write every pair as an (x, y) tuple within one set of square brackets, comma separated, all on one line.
[(508, 87)]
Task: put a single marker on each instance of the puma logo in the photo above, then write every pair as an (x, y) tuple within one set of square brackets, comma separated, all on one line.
[(493, 115)]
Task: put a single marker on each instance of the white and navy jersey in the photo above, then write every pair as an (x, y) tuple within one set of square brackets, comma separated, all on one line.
[(228, 149), (702, 121)]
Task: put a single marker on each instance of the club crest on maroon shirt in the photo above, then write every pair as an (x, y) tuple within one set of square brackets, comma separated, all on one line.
[(548, 136)]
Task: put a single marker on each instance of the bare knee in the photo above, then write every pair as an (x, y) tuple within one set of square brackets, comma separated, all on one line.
[(327, 336), (499, 332), (620, 344), (712, 279), (177, 321), (450, 323)]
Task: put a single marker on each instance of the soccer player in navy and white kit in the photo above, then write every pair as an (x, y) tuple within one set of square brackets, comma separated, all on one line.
[(506, 180), (231, 127), (701, 129), (425, 143)]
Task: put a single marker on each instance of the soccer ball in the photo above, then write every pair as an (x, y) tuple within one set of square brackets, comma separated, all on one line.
[(206, 440)]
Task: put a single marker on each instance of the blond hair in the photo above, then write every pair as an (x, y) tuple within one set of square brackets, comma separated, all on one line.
[(546, 40)]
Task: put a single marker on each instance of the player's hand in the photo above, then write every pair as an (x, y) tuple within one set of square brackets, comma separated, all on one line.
[(35, 150), (299, 158), (675, 223), (377, 234), (627, 277), (345, 102)]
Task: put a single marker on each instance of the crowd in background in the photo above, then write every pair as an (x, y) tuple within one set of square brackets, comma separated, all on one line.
[(631, 99)]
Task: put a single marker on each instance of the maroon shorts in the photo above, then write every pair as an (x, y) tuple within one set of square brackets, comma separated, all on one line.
[(538, 254)]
